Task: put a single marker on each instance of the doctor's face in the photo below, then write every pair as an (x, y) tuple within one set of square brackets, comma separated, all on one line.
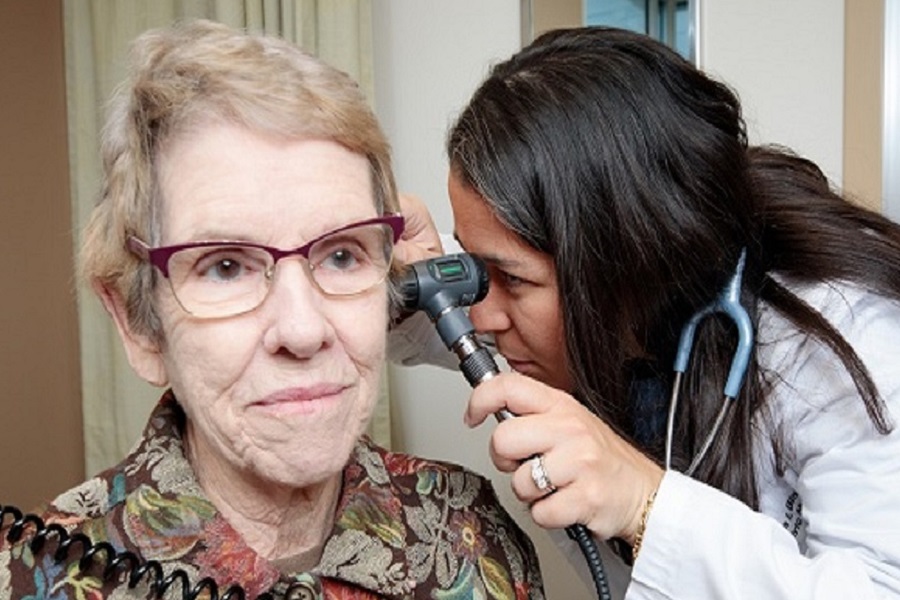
[(522, 308), (282, 392)]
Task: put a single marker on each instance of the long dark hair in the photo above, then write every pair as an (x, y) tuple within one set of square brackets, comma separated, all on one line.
[(631, 168)]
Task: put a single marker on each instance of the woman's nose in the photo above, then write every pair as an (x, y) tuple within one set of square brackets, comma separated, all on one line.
[(296, 312), (490, 315)]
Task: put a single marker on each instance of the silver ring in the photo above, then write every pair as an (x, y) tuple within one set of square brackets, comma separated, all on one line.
[(539, 475)]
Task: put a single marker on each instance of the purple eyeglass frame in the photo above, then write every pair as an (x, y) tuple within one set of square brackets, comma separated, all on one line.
[(159, 257)]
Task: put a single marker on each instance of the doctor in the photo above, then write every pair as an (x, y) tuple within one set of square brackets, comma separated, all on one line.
[(609, 186)]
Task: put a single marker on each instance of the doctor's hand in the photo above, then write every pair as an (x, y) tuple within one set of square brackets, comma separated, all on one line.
[(420, 239), (601, 481)]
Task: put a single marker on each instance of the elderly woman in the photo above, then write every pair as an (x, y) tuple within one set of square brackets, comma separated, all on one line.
[(242, 245)]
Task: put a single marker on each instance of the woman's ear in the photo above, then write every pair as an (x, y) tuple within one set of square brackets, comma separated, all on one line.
[(143, 353)]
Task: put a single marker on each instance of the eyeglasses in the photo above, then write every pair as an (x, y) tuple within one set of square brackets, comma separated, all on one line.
[(219, 279)]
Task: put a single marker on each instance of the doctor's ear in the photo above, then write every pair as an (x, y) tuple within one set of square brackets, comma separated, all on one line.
[(143, 352)]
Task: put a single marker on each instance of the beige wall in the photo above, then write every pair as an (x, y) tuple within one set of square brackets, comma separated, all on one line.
[(863, 97), (41, 450), (555, 14)]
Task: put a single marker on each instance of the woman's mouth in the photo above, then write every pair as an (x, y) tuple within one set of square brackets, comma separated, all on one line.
[(520, 366), (301, 399)]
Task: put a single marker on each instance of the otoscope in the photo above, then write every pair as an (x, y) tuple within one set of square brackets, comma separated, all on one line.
[(441, 287)]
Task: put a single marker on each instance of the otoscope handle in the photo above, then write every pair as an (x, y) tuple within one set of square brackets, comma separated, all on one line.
[(478, 365)]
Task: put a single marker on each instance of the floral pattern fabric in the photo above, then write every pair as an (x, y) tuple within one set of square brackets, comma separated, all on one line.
[(404, 528)]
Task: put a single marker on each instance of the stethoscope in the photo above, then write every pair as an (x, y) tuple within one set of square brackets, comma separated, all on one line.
[(727, 302)]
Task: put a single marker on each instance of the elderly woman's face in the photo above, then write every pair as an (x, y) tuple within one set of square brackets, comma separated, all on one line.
[(282, 392)]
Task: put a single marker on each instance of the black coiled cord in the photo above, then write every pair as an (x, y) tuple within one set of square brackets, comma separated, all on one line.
[(591, 552), (114, 562)]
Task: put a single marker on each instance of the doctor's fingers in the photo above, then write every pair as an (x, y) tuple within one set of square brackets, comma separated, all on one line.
[(559, 494), (564, 507), (420, 239), (539, 476), (561, 503), (522, 436), (516, 393), (560, 455), (517, 439), (572, 432)]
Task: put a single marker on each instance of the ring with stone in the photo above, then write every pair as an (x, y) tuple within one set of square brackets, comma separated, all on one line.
[(539, 475)]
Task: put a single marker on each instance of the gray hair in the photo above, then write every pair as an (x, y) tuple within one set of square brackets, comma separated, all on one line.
[(197, 72)]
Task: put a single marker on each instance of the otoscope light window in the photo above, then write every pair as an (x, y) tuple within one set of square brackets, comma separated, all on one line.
[(448, 270)]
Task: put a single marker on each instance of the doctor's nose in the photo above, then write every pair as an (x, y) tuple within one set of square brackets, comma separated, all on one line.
[(490, 315)]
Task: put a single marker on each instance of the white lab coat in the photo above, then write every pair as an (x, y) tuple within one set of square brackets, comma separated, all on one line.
[(829, 526), (839, 493)]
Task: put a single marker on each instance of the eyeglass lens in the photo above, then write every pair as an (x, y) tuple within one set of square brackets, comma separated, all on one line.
[(232, 278)]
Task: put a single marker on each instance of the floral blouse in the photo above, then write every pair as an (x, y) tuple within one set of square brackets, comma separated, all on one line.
[(404, 528)]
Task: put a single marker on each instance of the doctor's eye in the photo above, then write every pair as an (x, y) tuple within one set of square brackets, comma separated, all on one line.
[(506, 279)]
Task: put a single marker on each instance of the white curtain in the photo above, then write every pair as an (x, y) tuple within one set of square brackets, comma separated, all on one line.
[(116, 402)]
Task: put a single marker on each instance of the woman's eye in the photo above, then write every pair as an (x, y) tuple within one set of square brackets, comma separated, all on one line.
[(512, 279), (343, 254), (227, 266), (340, 259), (225, 269), (508, 280)]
